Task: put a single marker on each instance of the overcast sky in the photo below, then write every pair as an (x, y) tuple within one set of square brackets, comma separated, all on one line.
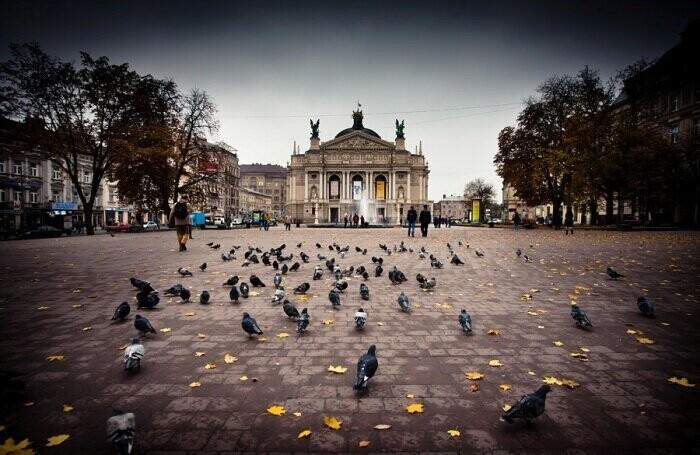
[(457, 72)]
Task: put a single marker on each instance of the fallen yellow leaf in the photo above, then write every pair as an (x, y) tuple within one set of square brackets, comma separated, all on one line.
[(495, 363), (382, 426), (20, 448), (454, 433), (56, 440), (504, 387), (262, 339), (558, 343), (52, 358), (414, 407), (410, 395), (473, 375), (633, 332), (380, 323), (243, 378), (550, 380), (42, 308), (338, 369), (531, 373), (506, 407), (282, 335), (585, 350), (210, 366), (474, 387), (198, 354), (494, 332), (276, 410), (363, 443), (85, 329), (327, 321), (332, 422), (228, 358), (303, 297), (77, 305), (298, 414), (526, 297), (304, 434), (166, 329), (67, 408), (645, 340), (28, 403), (190, 313), (201, 336), (195, 384), (682, 381)]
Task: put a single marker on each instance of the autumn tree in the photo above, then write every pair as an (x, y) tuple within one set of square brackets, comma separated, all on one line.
[(483, 190), (78, 117)]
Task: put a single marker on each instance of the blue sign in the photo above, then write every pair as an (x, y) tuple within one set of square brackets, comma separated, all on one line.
[(64, 206)]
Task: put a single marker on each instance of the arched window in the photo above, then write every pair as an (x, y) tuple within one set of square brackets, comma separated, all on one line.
[(357, 186), (334, 187), (380, 187)]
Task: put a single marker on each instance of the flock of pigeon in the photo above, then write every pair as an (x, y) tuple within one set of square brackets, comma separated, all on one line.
[(121, 426)]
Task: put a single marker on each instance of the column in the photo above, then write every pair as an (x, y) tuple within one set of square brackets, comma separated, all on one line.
[(407, 193), (306, 186)]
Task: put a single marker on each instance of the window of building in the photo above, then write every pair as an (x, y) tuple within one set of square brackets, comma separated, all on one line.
[(3, 197), (56, 173), (2, 167), (34, 170), (17, 169), (34, 197), (111, 194), (696, 127), (87, 177), (674, 103), (57, 197), (18, 196), (673, 134)]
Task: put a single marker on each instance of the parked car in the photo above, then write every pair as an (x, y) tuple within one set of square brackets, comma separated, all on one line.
[(123, 227), (44, 231), (151, 226), (236, 222)]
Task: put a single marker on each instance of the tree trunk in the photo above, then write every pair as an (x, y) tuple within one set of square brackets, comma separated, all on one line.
[(89, 228), (609, 214), (620, 208), (594, 212)]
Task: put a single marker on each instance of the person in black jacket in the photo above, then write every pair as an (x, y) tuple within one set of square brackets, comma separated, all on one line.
[(411, 218), (424, 220)]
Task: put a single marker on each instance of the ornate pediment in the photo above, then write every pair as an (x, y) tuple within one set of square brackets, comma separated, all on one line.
[(357, 141)]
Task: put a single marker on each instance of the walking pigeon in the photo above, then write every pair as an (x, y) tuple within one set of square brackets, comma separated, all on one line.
[(204, 297), (403, 302), (294, 267), (277, 280), (232, 281), (341, 285), (121, 429), (365, 276), (233, 294), (284, 269), (364, 291), (528, 406), (360, 319), (420, 278), (244, 290), (366, 368), (580, 316), (302, 288), (518, 252), (290, 310), (278, 296), (147, 299), (122, 311), (644, 305), (174, 290), (378, 271), (133, 355), (456, 261), (143, 325), (428, 284), (334, 297), (612, 273), (304, 257), (184, 272), (185, 295), (318, 273), (203, 267), (465, 321), (303, 321), (479, 253), (256, 282), (139, 284), (250, 326)]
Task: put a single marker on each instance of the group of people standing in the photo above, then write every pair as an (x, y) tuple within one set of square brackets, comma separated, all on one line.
[(355, 221), (555, 221), (424, 220)]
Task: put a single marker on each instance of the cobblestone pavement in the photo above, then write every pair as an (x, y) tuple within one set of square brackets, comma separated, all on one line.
[(58, 295)]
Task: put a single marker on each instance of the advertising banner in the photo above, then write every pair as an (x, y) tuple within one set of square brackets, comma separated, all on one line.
[(357, 190), (380, 190), (335, 189), (475, 210)]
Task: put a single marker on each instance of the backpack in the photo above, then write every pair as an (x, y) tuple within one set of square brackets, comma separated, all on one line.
[(180, 211)]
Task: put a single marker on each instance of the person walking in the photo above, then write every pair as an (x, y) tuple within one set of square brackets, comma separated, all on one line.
[(288, 223), (180, 218), (516, 221), (355, 220), (411, 218), (345, 220), (424, 219), (362, 220), (569, 220)]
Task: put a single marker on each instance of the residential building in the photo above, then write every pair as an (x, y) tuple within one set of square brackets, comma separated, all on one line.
[(252, 200), (269, 179)]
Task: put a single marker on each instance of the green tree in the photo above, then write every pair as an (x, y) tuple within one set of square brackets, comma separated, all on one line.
[(483, 190)]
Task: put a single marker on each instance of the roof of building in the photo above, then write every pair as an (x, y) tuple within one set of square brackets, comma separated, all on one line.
[(357, 126), (269, 170), (257, 193)]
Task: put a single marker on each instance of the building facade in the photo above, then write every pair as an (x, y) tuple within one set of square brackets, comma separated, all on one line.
[(356, 172), (454, 207), (220, 192), (269, 179), (252, 200)]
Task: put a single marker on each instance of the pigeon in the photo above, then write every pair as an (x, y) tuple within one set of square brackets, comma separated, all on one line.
[(174, 290), (147, 299), (479, 253), (360, 319), (580, 316), (225, 257), (133, 355), (365, 276), (184, 272), (304, 257), (364, 251), (318, 245), (420, 278), (366, 368), (338, 274), (143, 325), (250, 326), (204, 297), (277, 280), (209, 244), (290, 310), (403, 302), (318, 273), (528, 259), (465, 321), (121, 428), (122, 311), (360, 270), (244, 290), (277, 298), (341, 285), (321, 257), (140, 284), (378, 271), (428, 284), (294, 267), (528, 406), (275, 265), (203, 267), (111, 234), (302, 288), (246, 263), (364, 291), (233, 294), (456, 261), (284, 269), (612, 273), (644, 305), (216, 247), (518, 252), (334, 298), (232, 281), (299, 245), (256, 282), (435, 263), (303, 321), (185, 295)]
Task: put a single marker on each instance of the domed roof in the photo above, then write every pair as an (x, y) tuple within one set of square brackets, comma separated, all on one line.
[(357, 126)]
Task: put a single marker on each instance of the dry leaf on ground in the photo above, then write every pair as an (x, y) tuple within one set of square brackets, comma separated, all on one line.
[(414, 408), (382, 426), (454, 433), (228, 358), (332, 422), (19, 448), (53, 358), (338, 369), (495, 363), (680, 381), (304, 434), (56, 440), (473, 375), (276, 410)]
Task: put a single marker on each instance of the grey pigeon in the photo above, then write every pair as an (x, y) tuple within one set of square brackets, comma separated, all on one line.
[(277, 280), (232, 281), (233, 294), (378, 271), (139, 284), (121, 429), (435, 263), (318, 273), (465, 321), (245, 289), (174, 290), (184, 272), (290, 310), (256, 282), (203, 267), (366, 368), (360, 319), (428, 284), (250, 326), (302, 288), (284, 269), (456, 260), (365, 275), (364, 291), (294, 267), (147, 299), (185, 295), (122, 311), (226, 257), (143, 325), (518, 252), (133, 355), (334, 298), (341, 285), (278, 296), (528, 406), (304, 257), (303, 321), (403, 302), (644, 305), (421, 279), (479, 253), (612, 273), (204, 297), (580, 316)]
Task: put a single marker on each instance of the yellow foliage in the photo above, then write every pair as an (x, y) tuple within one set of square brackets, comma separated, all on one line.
[(339, 369), (414, 407), (558, 343), (201, 336), (198, 354), (228, 358), (327, 321), (531, 373), (494, 332), (10, 447), (166, 329), (190, 313), (86, 329), (363, 443), (67, 408), (506, 407), (304, 434), (682, 381), (526, 297), (210, 366), (52, 358), (454, 433), (276, 410), (195, 384), (473, 375), (332, 422), (645, 340), (495, 363), (282, 335), (56, 440), (42, 308), (298, 414), (243, 378), (474, 387), (380, 323), (504, 387), (262, 339), (382, 426)]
